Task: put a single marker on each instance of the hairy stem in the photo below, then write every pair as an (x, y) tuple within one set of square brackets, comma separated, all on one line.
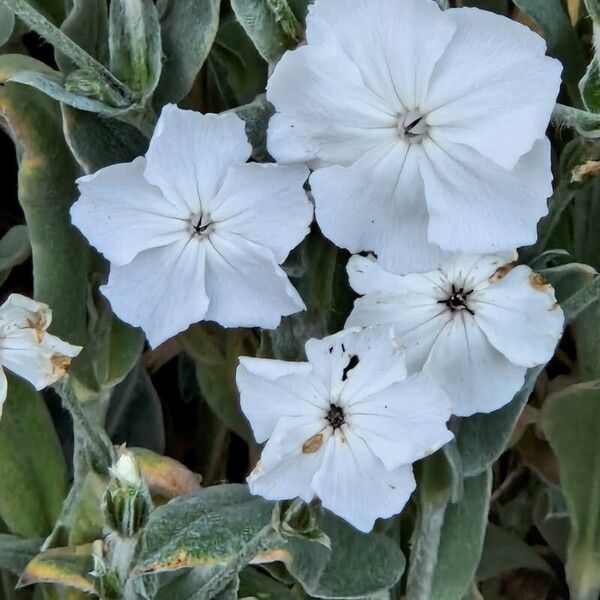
[(60, 41)]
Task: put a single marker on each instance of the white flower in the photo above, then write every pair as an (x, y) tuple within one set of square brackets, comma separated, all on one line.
[(26, 348), (344, 426), (426, 128), (475, 325), (192, 231)]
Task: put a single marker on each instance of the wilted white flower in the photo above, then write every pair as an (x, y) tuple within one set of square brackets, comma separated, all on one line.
[(26, 348), (475, 325), (192, 231), (425, 127), (344, 426)]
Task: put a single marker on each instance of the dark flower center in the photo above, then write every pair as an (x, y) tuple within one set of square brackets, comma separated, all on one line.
[(335, 416), (457, 300), (203, 224)]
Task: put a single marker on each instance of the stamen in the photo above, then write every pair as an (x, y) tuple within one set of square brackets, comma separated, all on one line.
[(335, 416), (457, 300)]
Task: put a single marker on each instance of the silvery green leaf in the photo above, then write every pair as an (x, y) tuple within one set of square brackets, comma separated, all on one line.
[(272, 25), (87, 25), (589, 86), (461, 542), (7, 23), (97, 141), (482, 438), (504, 551), (135, 44), (188, 30), (14, 250), (16, 552), (256, 114), (54, 86)]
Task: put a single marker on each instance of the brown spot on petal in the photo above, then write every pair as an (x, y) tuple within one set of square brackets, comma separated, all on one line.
[(60, 362), (311, 445), (502, 272), (538, 282), (39, 322)]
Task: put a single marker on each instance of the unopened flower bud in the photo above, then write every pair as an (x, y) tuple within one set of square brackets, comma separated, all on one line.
[(127, 502)]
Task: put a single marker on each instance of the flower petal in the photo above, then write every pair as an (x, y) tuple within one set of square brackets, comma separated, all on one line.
[(356, 362), (520, 317), (377, 363), (39, 361), (387, 42), (246, 287), (190, 153), (477, 207), (325, 114), (470, 271), (265, 204), (272, 389), (404, 422), (493, 89), (378, 205), (162, 290), (409, 303), (353, 483), (20, 312), (476, 377), (121, 214), (286, 469)]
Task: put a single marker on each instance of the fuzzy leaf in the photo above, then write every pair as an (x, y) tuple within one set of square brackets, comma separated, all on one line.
[(482, 438), (14, 250), (98, 141), (135, 415), (135, 44), (46, 190), (87, 25), (188, 29), (7, 23), (70, 566), (16, 552), (462, 538), (571, 420), (272, 25), (32, 468), (205, 528), (504, 551)]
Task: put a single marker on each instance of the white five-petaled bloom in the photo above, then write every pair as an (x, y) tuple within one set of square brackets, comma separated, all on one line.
[(426, 128), (475, 325), (192, 231), (344, 426), (26, 348)]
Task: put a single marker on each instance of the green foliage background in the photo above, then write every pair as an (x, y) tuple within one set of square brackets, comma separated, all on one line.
[(511, 509)]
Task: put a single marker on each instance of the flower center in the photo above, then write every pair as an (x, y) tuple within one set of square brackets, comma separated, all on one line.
[(335, 416), (412, 126), (201, 224), (457, 300)]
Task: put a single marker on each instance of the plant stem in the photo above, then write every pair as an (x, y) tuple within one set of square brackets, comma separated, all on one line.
[(581, 299), (62, 42), (88, 437)]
